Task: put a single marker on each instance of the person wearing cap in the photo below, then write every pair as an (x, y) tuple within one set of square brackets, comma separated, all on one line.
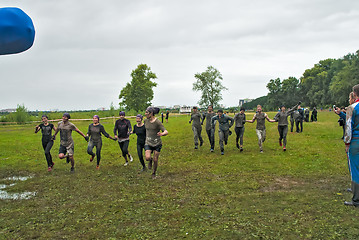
[(261, 126), (196, 117), (47, 142), (66, 149), (153, 142), (140, 130), (225, 122), (282, 118), (94, 132), (210, 131), (240, 120), (122, 134)]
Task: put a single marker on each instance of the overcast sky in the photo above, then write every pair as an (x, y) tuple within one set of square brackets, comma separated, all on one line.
[(84, 51)]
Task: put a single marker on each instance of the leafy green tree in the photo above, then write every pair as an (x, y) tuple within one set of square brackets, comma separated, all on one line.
[(342, 83), (275, 95), (209, 83), (138, 94), (291, 91), (258, 101), (112, 110), (21, 115), (315, 84), (285, 92)]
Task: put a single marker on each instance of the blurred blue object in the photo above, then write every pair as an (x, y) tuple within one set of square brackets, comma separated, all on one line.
[(17, 32)]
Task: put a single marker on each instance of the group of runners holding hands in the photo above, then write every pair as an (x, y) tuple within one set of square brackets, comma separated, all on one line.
[(150, 130), (225, 122), (149, 133)]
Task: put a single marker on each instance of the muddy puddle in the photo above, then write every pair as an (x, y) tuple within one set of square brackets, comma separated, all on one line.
[(4, 195)]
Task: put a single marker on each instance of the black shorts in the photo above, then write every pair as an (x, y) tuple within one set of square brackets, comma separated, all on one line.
[(69, 149), (153, 148)]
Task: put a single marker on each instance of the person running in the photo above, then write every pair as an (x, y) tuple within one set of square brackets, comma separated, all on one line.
[(209, 130), (140, 130), (261, 126), (282, 119), (196, 117), (225, 123), (299, 117), (66, 149), (240, 120), (47, 142), (153, 142), (167, 115), (122, 134), (94, 132), (351, 140)]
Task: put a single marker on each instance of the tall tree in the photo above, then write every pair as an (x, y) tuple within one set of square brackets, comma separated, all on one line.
[(138, 94), (209, 83), (283, 92), (345, 79), (315, 84)]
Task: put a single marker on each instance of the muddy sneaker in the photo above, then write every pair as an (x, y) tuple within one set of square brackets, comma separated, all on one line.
[(131, 158), (201, 144), (284, 149), (222, 153), (98, 167), (92, 157), (261, 151), (237, 145), (212, 150), (280, 143), (67, 159), (154, 176), (195, 147), (49, 169), (241, 149), (72, 169), (52, 165), (126, 163)]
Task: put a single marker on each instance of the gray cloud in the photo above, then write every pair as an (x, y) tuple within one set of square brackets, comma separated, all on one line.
[(84, 51)]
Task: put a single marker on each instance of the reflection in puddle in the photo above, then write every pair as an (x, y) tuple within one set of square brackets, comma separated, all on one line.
[(14, 196)]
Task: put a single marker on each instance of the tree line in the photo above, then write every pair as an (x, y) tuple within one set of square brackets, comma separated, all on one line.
[(328, 82)]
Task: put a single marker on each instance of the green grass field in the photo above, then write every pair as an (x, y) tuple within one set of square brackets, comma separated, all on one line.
[(297, 194)]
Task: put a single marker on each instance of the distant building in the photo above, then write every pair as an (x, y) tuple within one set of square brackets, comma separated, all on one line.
[(243, 101), (176, 107), (162, 107), (185, 109), (9, 110)]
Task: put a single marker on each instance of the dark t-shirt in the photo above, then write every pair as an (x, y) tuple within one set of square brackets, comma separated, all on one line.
[(46, 130), (240, 119), (141, 134), (208, 116), (122, 128), (95, 132), (196, 118), (65, 133), (261, 118)]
